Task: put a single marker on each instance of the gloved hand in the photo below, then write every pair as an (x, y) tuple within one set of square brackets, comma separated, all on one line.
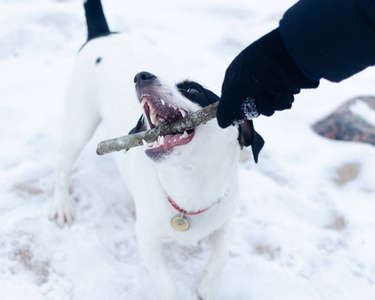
[(261, 79)]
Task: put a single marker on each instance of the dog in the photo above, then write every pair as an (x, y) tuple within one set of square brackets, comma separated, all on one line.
[(184, 185)]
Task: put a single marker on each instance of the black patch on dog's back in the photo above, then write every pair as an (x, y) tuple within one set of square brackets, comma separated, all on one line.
[(96, 22)]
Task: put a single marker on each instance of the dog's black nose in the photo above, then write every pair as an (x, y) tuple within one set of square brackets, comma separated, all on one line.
[(144, 76)]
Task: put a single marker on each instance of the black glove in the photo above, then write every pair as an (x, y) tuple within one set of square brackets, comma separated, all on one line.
[(261, 79)]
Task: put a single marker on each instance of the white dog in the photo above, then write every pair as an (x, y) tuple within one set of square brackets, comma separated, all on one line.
[(184, 186)]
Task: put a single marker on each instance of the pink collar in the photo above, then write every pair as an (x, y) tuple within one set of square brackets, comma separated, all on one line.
[(189, 213)]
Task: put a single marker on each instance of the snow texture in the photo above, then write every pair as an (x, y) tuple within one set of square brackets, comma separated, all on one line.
[(300, 231), (249, 108)]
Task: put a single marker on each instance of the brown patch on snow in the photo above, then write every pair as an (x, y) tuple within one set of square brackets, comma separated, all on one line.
[(343, 124), (346, 173)]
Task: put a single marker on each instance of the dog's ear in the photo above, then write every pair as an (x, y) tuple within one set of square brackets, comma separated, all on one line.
[(139, 127), (249, 137)]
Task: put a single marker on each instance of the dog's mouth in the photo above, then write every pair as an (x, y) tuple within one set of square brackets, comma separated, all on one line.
[(159, 111)]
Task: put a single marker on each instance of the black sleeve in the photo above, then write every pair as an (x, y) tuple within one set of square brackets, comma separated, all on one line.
[(331, 39)]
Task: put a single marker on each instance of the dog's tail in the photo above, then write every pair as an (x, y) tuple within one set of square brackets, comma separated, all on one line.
[(96, 23)]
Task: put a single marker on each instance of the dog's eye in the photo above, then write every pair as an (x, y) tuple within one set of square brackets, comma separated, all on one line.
[(193, 90)]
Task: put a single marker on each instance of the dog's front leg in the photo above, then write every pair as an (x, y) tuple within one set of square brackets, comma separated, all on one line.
[(81, 120), (211, 277), (61, 209), (155, 261)]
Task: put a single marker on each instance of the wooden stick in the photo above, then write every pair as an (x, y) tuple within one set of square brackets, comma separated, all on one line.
[(133, 140)]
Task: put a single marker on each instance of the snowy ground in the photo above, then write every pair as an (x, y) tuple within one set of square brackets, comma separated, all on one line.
[(300, 231)]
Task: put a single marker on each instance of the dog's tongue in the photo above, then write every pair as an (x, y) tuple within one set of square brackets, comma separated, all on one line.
[(171, 137)]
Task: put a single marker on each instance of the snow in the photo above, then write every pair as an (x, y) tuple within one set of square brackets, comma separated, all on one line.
[(364, 110), (296, 233)]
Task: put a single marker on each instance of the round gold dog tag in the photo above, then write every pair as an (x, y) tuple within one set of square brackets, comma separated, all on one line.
[(180, 224)]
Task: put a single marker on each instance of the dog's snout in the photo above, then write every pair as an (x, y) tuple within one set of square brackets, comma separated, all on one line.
[(144, 77)]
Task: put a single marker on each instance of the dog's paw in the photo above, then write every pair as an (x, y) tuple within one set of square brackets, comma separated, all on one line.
[(62, 213), (208, 287)]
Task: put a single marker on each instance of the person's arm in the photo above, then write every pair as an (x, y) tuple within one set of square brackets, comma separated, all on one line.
[(330, 39)]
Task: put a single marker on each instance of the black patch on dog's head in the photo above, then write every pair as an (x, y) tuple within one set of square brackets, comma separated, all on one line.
[(197, 93), (247, 136), (98, 60)]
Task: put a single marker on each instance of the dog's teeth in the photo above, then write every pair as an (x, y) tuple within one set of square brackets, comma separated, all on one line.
[(185, 135), (153, 119), (161, 140), (162, 102), (143, 102), (183, 113), (145, 143)]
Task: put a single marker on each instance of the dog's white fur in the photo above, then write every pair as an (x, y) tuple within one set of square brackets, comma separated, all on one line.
[(194, 175)]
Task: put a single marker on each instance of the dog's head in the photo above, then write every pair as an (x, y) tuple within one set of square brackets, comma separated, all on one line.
[(162, 103)]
